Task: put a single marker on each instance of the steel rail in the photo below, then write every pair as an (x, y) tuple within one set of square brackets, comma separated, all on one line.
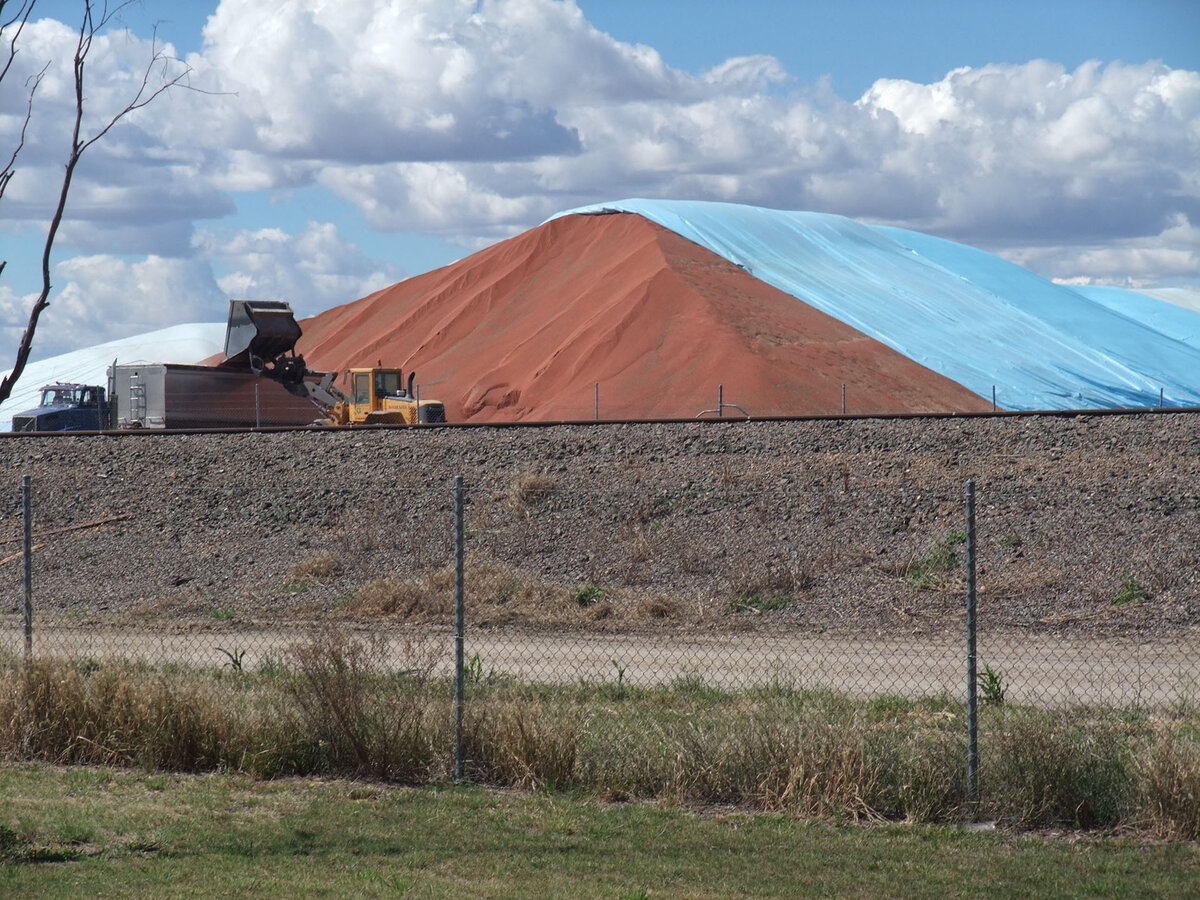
[(594, 423)]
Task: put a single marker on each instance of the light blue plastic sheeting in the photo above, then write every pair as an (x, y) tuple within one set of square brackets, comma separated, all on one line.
[(966, 314)]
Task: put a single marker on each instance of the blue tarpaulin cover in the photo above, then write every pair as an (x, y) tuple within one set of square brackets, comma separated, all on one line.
[(966, 314)]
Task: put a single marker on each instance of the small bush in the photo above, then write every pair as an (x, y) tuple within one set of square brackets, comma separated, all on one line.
[(372, 720), (1130, 592), (927, 573), (1171, 787), (530, 489)]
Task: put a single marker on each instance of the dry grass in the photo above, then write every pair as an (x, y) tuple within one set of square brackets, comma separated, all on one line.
[(416, 601), (127, 715), (658, 607), (342, 704), (319, 568), (497, 594), (515, 743), (1045, 770), (369, 718), (529, 490), (1170, 781)]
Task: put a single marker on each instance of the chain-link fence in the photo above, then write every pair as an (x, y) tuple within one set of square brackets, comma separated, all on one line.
[(648, 586), (737, 582)]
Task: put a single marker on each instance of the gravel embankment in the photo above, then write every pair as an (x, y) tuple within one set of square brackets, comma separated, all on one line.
[(1085, 523)]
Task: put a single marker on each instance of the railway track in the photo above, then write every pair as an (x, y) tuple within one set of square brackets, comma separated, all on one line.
[(709, 420)]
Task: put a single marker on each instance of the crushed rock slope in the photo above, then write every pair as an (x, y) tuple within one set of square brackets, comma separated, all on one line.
[(674, 522)]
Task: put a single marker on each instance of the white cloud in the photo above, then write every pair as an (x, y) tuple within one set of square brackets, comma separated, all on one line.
[(104, 298), (1172, 254), (313, 270), (14, 315), (136, 190), (486, 117), (1037, 152), (483, 117)]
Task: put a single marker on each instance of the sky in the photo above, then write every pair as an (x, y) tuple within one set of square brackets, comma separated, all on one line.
[(327, 150)]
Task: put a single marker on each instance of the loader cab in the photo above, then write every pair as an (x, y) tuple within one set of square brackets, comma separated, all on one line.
[(370, 386), (373, 391), (380, 396), (389, 384)]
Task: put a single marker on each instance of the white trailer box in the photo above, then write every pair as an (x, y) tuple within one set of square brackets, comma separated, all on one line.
[(166, 395)]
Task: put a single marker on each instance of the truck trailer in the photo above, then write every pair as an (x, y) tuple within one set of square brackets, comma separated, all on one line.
[(168, 395)]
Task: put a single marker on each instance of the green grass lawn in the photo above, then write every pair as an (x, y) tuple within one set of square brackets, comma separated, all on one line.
[(85, 832)]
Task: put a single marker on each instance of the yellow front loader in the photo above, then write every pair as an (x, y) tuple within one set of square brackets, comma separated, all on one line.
[(261, 336), (377, 396)]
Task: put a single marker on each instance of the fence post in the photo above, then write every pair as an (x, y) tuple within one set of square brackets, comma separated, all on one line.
[(972, 685), (27, 516), (458, 628)]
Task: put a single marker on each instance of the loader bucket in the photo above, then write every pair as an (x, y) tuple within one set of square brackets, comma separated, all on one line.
[(258, 332)]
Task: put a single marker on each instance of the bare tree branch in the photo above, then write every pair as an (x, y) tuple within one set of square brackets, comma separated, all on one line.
[(6, 173), (11, 37), (93, 21), (20, 17)]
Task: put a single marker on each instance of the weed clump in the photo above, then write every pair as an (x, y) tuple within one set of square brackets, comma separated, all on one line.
[(992, 686), (1131, 591), (530, 489), (319, 568), (1039, 771), (588, 595), (1170, 782), (928, 572), (517, 744), (368, 717)]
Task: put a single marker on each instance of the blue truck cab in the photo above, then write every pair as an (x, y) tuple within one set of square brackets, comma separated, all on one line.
[(66, 407)]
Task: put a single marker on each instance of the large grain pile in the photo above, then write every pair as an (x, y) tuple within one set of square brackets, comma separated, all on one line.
[(1085, 523)]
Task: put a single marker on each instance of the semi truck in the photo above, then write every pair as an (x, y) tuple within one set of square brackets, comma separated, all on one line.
[(66, 407)]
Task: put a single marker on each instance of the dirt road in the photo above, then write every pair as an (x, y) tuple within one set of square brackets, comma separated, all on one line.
[(1041, 670)]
